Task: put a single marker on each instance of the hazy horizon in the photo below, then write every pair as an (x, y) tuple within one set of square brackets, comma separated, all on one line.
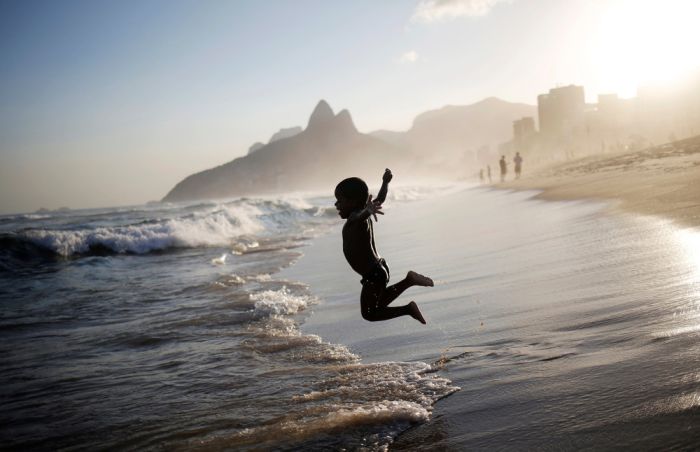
[(113, 103)]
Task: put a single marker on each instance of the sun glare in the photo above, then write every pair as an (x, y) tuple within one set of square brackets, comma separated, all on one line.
[(690, 244), (688, 316), (641, 42)]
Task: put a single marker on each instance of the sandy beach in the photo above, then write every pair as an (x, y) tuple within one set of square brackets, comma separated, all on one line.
[(663, 180)]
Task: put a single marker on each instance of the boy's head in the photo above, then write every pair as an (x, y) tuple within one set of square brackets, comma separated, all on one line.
[(351, 194)]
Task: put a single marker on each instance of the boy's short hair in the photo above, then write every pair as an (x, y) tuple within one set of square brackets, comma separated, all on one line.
[(353, 188)]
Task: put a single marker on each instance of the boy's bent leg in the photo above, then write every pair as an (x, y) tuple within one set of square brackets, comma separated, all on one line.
[(372, 307), (412, 278), (387, 313)]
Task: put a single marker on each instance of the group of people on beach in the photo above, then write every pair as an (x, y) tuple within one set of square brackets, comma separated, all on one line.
[(503, 166)]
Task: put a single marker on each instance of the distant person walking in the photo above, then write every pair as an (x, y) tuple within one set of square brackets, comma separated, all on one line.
[(488, 173), (518, 164), (504, 167), (481, 175)]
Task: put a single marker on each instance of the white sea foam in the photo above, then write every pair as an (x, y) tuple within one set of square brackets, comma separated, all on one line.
[(296, 202), (312, 423), (279, 302), (382, 397), (212, 229), (235, 280), (34, 216), (415, 382), (219, 260), (212, 223)]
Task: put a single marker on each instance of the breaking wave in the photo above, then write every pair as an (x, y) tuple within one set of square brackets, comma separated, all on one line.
[(200, 225), (138, 239)]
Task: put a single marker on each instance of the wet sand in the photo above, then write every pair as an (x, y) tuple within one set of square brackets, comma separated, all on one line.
[(662, 181)]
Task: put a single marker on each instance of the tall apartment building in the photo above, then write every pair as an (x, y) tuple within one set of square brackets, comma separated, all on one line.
[(561, 112), (524, 133)]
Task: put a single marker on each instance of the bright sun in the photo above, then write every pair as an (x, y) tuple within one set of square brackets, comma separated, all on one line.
[(646, 41)]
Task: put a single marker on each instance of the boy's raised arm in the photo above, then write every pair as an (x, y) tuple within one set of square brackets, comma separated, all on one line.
[(371, 208), (386, 178)]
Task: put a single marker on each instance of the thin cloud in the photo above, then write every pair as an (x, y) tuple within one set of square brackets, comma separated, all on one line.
[(409, 57), (429, 11)]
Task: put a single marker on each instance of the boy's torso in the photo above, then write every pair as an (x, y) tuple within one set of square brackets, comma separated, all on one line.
[(358, 246)]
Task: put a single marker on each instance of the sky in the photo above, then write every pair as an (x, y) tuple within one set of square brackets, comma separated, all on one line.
[(106, 102)]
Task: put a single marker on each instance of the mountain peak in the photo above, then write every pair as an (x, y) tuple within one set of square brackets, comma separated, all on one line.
[(343, 121), (322, 114), (490, 101)]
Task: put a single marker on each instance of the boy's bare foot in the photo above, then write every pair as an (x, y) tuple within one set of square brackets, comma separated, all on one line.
[(416, 279), (415, 312)]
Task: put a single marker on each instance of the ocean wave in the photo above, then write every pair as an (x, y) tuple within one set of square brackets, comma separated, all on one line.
[(34, 216), (294, 202), (353, 406), (332, 424), (198, 225), (17, 253), (327, 212), (217, 229), (28, 217)]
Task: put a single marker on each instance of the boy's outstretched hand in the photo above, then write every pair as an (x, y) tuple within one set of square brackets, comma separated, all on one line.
[(374, 207), (386, 178)]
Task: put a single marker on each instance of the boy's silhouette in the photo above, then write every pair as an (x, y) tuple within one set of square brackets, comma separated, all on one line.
[(355, 204)]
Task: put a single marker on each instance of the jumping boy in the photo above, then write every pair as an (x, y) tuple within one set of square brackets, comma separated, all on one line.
[(355, 204)]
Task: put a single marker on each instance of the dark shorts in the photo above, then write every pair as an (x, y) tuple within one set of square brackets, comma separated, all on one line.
[(378, 275)]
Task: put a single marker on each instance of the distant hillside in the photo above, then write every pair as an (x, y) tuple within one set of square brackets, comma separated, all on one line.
[(328, 150), (441, 143), (282, 133), (286, 133), (451, 131)]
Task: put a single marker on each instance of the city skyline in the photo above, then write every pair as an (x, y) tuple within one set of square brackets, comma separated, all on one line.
[(112, 103)]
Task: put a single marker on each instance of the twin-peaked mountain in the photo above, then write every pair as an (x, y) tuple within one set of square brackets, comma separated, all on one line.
[(441, 143), (329, 149)]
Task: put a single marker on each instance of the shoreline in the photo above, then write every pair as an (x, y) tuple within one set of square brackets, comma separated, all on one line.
[(661, 181), (515, 298)]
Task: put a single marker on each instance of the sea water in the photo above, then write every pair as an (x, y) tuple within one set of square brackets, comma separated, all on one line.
[(565, 325), (168, 326), (216, 326)]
